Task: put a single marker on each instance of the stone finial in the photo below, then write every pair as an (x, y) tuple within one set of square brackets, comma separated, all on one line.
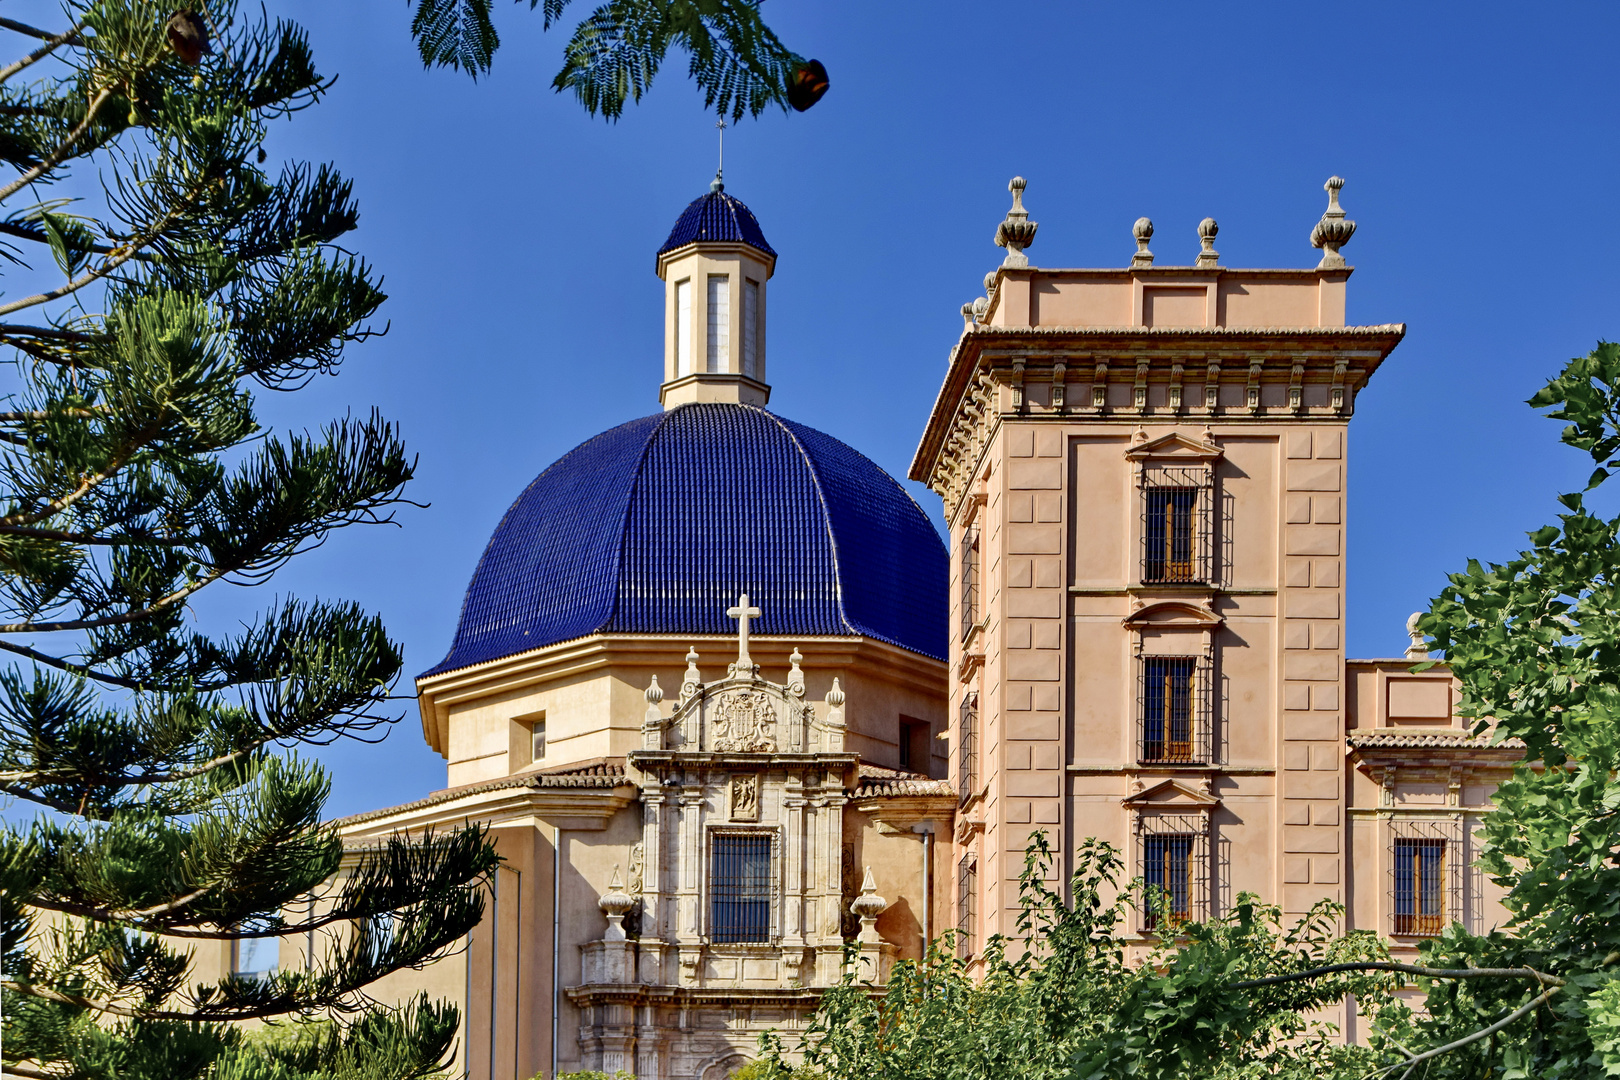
[(1143, 231), (1016, 232), (835, 696), (655, 693), (980, 307), (990, 283), (795, 679), (615, 904), (694, 678), (1334, 230), (1207, 255), (868, 906), (1419, 649)]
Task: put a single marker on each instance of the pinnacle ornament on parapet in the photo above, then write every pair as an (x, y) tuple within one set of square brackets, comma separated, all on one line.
[(1143, 231), (1016, 232), (1334, 230)]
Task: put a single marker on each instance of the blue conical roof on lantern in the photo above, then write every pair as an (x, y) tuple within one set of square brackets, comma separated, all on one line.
[(717, 218), (656, 525)]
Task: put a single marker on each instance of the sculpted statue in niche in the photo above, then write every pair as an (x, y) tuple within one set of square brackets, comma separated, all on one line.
[(745, 797), (744, 722)]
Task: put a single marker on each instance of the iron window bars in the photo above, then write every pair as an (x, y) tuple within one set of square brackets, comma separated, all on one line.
[(740, 888), (1172, 852), (1425, 877), (967, 748), (967, 906), (969, 573), (1178, 506), (1175, 709)]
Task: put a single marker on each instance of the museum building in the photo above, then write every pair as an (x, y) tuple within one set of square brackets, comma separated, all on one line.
[(727, 704)]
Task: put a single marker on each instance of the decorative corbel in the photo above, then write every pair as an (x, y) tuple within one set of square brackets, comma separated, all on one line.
[(1099, 386), (1177, 369), (1016, 382), (1296, 379), (1060, 372), (1386, 794), (1251, 394), (1139, 388), (1212, 384), (1454, 784), (1340, 366)]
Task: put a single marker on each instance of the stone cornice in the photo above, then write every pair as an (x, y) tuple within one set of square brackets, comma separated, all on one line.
[(988, 359), (436, 693), (511, 801)]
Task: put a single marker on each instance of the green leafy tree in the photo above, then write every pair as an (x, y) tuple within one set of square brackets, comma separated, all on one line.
[(615, 51), (1065, 1000), (159, 277)]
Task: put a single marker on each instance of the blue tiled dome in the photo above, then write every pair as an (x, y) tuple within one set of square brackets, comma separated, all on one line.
[(656, 525), (717, 218)]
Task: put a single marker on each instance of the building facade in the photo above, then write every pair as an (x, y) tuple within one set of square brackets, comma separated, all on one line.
[(726, 702), (1144, 471)]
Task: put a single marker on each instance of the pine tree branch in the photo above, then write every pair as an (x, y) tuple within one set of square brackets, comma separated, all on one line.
[(23, 232), (121, 619), (47, 332), (35, 533), (54, 158), (73, 669), (52, 43)]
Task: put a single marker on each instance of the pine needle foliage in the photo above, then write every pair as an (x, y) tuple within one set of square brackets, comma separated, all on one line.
[(160, 275), (738, 62)]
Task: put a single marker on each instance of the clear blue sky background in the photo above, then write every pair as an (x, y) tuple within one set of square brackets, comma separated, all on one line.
[(517, 236)]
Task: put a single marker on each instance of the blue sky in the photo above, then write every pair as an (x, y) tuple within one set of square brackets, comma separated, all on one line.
[(516, 236)]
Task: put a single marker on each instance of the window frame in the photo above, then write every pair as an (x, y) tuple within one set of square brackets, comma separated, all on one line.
[(1194, 482), (1197, 748), (1443, 837), (772, 898), (967, 906), (1154, 832), (967, 749), (968, 566)]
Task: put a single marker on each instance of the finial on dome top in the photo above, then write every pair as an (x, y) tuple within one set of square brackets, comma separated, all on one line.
[(718, 184), (1016, 232), (1143, 231), (1334, 230), (1207, 255)]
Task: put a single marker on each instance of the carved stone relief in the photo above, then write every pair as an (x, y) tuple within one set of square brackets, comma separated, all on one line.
[(745, 797), (744, 722)]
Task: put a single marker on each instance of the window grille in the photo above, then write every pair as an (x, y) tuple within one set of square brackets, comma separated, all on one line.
[(967, 750), (970, 580), (1177, 514), (1425, 877), (740, 888), (1175, 709), (967, 906), (1173, 863)]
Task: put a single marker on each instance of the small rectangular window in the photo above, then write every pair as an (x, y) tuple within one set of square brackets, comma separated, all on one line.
[(537, 740), (740, 888), (1172, 534), (967, 750), (1167, 862), (719, 321), (255, 958), (967, 906), (969, 573), (683, 328), (750, 328), (1169, 717), (914, 749), (1420, 886)]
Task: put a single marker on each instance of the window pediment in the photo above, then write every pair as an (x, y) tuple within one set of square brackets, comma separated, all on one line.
[(1175, 447), (1171, 795), (1173, 613)]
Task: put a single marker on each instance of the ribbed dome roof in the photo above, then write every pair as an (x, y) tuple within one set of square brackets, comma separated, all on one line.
[(656, 525), (717, 218)]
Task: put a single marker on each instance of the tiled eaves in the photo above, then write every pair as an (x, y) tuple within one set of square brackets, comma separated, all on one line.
[(1437, 739), (879, 781), (600, 773)]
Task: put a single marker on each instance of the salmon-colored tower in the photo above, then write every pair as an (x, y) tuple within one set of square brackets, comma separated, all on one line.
[(1144, 473)]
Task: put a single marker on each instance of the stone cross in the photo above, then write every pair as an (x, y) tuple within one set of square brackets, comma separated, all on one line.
[(742, 613)]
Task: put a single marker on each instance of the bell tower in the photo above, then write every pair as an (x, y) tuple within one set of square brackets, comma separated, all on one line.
[(715, 266)]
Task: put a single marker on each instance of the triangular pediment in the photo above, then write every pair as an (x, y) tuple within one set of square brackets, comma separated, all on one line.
[(1175, 447), (1172, 794), (1165, 613)]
